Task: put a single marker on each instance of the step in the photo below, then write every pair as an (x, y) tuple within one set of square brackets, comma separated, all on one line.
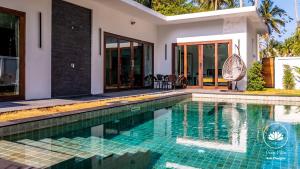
[(56, 148), (95, 145), (115, 147), (82, 147), (31, 156), (95, 148)]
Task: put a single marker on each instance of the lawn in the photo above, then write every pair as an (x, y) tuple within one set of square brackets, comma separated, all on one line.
[(277, 92)]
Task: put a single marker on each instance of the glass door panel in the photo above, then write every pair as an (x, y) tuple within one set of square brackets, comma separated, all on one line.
[(222, 56), (179, 60), (9, 55), (192, 65), (111, 63), (209, 65), (148, 64), (138, 65), (125, 64)]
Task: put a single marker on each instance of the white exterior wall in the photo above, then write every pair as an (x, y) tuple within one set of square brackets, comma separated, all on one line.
[(38, 61), (234, 29), (279, 68), (252, 39)]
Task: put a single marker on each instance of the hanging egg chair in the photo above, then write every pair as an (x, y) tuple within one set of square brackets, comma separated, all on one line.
[(234, 69)]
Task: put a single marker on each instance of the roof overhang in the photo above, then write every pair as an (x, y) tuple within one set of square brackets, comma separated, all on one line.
[(140, 11)]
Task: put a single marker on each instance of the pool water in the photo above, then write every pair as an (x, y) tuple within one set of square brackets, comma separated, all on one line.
[(189, 134)]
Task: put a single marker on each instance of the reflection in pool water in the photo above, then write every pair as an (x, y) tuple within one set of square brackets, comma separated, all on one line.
[(190, 134)]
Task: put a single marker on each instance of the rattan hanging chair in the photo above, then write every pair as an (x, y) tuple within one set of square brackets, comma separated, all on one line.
[(234, 69)]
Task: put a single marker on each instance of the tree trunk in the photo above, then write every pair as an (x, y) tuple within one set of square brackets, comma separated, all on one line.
[(296, 11), (216, 5), (241, 3)]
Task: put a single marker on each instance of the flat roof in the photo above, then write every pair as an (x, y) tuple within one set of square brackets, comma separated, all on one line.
[(140, 11)]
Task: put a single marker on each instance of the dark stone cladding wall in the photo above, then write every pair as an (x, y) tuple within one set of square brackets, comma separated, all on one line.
[(71, 44)]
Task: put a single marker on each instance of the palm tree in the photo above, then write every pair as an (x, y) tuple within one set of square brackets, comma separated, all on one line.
[(216, 4), (270, 47), (296, 12), (274, 17)]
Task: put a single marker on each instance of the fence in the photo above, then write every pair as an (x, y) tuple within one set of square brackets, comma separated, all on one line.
[(269, 72)]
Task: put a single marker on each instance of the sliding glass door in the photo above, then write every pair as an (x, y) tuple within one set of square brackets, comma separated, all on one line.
[(127, 63), (223, 54), (138, 64), (209, 65), (111, 64), (192, 65), (12, 24), (201, 63)]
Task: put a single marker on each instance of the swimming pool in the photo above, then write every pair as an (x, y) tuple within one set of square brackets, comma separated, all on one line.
[(186, 134)]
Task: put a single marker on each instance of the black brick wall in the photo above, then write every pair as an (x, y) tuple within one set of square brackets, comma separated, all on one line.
[(71, 43)]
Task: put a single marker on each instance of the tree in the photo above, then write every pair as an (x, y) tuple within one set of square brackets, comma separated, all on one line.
[(255, 78), (147, 3), (274, 17), (209, 5), (174, 7), (270, 47), (288, 78)]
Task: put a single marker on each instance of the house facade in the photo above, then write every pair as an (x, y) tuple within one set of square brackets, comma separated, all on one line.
[(57, 48)]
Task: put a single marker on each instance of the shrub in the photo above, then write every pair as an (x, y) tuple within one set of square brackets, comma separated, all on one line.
[(255, 78), (288, 78), (297, 70)]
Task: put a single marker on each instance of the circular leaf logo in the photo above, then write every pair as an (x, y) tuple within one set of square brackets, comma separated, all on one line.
[(275, 136)]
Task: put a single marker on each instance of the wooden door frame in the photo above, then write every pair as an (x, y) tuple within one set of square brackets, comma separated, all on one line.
[(22, 32), (131, 40), (200, 60)]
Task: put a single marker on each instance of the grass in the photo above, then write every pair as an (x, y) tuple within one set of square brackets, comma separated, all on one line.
[(22, 114), (276, 92)]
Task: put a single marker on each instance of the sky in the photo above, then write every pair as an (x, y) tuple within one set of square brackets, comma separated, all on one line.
[(288, 6)]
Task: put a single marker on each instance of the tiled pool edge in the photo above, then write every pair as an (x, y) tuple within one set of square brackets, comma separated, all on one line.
[(259, 99), (35, 123)]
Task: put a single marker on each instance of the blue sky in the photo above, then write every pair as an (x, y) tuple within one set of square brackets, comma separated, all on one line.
[(288, 6)]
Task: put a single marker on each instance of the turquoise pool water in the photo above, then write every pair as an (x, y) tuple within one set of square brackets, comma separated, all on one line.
[(189, 134)]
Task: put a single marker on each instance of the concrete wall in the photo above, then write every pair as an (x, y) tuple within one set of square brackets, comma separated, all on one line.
[(38, 61), (234, 29), (279, 64)]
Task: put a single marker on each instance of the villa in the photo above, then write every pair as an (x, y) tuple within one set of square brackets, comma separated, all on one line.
[(52, 51), (61, 48)]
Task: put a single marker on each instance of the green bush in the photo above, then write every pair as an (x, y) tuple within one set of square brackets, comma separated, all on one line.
[(297, 70), (288, 78), (255, 78)]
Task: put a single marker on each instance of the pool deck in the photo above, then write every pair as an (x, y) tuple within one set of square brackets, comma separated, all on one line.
[(34, 104)]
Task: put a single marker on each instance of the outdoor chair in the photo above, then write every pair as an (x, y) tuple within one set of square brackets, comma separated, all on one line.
[(165, 82), (171, 82), (181, 82), (149, 80), (158, 82), (234, 69)]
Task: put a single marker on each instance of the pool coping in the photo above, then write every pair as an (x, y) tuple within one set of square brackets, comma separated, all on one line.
[(260, 99), (116, 104)]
